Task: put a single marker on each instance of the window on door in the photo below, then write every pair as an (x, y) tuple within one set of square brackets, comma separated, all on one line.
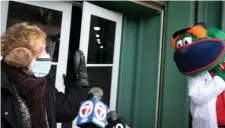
[(100, 42), (100, 54)]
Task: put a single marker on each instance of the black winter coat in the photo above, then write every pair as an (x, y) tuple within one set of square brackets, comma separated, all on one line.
[(60, 107)]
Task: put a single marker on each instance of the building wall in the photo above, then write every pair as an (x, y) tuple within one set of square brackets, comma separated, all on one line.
[(137, 93), (223, 16), (174, 111), (211, 12)]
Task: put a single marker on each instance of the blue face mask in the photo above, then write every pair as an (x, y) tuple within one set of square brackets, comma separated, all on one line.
[(41, 66)]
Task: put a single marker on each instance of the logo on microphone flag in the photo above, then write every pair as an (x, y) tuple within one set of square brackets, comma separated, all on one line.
[(100, 113), (92, 111), (86, 109)]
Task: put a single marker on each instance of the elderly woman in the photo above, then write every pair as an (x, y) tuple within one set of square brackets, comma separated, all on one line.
[(28, 99)]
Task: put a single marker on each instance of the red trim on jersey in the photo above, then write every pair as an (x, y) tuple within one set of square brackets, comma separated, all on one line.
[(220, 105)]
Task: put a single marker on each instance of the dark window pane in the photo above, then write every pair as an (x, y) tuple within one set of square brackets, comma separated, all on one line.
[(101, 77), (52, 74), (47, 19), (101, 41)]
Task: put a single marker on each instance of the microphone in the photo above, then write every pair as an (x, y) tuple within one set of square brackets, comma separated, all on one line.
[(114, 121), (92, 112), (95, 92)]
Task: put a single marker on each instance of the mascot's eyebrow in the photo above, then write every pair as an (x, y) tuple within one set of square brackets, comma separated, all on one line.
[(199, 31)]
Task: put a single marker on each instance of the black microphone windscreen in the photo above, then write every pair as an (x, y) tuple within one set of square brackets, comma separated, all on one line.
[(112, 115)]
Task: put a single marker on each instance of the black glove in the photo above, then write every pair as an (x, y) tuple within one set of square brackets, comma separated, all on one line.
[(81, 69)]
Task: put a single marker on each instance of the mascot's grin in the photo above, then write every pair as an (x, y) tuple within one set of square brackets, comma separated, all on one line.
[(204, 53)]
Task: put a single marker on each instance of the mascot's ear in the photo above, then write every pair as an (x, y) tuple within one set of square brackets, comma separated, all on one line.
[(216, 33), (19, 57)]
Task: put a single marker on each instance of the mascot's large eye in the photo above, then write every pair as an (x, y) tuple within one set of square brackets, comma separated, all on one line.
[(179, 43), (187, 40)]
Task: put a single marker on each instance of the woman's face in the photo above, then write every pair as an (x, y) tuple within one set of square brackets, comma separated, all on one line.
[(39, 47)]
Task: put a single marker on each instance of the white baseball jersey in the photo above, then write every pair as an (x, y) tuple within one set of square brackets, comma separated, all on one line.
[(203, 92)]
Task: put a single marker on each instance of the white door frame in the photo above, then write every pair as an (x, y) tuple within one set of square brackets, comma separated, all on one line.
[(88, 10), (66, 9), (4, 14)]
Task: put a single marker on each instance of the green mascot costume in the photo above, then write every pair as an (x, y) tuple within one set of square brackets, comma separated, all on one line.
[(199, 53)]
